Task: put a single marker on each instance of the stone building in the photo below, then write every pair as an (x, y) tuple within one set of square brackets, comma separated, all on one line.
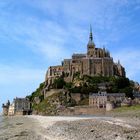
[(97, 61), (20, 106), (101, 99), (6, 108), (11, 110), (53, 72)]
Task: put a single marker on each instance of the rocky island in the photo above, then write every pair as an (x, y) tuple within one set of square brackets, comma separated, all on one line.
[(87, 97), (87, 83)]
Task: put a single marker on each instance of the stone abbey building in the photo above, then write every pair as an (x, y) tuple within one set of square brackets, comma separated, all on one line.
[(97, 61)]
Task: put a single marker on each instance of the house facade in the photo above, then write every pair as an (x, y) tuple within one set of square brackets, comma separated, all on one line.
[(19, 106), (103, 99)]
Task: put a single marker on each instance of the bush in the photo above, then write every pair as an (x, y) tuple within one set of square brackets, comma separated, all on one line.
[(59, 83), (76, 75), (128, 91), (68, 85), (84, 102), (75, 90)]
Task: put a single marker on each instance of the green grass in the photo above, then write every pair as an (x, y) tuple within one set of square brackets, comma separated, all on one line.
[(127, 108)]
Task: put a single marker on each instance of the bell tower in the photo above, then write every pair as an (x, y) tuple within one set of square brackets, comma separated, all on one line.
[(90, 45)]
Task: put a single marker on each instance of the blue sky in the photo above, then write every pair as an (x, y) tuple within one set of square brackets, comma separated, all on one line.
[(37, 33)]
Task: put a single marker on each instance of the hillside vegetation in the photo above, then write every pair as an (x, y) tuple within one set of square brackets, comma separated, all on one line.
[(55, 103)]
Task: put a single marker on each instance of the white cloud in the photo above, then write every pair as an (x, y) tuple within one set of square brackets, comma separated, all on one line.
[(45, 34)]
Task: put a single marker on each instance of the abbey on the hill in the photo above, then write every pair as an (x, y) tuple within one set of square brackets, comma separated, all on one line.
[(97, 61)]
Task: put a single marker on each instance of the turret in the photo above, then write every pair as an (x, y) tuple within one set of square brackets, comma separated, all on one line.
[(119, 70), (5, 109), (8, 103), (107, 53)]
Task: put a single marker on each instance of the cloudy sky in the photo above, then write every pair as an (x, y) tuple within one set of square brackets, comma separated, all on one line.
[(35, 34)]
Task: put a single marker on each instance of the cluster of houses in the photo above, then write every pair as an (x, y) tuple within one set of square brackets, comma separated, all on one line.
[(106, 100), (101, 100), (19, 106), (109, 101), (97, 101)]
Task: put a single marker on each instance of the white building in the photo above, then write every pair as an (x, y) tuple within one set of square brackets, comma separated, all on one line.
[(11, 110)]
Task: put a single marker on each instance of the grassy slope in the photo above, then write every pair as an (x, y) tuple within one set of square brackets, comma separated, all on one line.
[(131, 111), (129, 108)]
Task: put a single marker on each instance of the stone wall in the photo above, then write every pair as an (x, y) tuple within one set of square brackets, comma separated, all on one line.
[(109, 106), (19, 113), (83, 110), (22, 112)]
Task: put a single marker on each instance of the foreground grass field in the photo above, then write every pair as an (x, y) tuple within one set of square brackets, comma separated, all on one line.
[(127, 108), (127, 111)]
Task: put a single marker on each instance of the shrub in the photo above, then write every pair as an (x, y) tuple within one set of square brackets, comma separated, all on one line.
[(59, 83)]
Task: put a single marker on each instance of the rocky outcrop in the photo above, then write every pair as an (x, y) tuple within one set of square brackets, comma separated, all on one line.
[(53, 104)]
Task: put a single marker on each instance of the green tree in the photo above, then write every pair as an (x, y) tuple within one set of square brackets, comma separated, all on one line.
[(68, 85), (122, 82), (128, 91)]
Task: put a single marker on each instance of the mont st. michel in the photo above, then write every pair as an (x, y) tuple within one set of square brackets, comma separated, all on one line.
[(96, 62), (69, 69), (66, 103), (88, 83)]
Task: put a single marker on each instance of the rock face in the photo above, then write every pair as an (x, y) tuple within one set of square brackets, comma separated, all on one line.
[(54, 96), (52, 91), (37, 100), (55, 103)]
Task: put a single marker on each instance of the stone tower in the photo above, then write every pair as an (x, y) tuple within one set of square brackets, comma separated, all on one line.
[(90, 45), (6, 108)]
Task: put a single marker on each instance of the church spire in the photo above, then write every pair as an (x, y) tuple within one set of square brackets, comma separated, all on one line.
[(90, 36), (91, 43)]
